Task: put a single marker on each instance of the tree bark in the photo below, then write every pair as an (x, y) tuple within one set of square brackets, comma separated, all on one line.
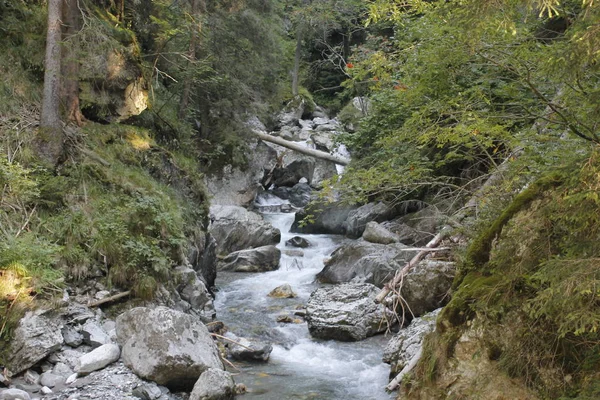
[(301, 149), (70, 62), (187, 84), (297, 56), (49, 141)]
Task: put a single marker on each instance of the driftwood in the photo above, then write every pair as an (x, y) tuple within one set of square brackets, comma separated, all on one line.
[(398, 379), (301, 149), (109, 299)]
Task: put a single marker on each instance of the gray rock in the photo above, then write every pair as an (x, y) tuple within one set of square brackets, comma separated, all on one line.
[(62, 369), (300, 194), (416, 229), (306, 123), (319, 112), (214, 384), (193, 290), (31, 377), (322, 218), (71, 336), (323, 141), (375, 233), (328, 127), (292, 112), (93, 334), (357, 219), (406, 343), (78, 314), (235, 228), (27, 388), (72, 378), (46, 390), (261, 259), (166, 346), (298, 241), (345, 312), (426, 286), (203, 257), (236, 185), (361, 261), (37, 335), (323, 170), (98, 358), (292, 173), (14, 394), (284, 291), (50, 379), (147, 391), (320, 121), (249, 350)]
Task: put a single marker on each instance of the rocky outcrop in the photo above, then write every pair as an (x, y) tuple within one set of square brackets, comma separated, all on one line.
[(261, 259), (361, 261), (166, 346), (375, 233), (37, 336), (203, 257), (214, 384), (345, 312), (403, 346), (235, 228), (357, 219), (194, 292), (322, 218), (238, 186), (98, 359), (294, 172), (426, 286)]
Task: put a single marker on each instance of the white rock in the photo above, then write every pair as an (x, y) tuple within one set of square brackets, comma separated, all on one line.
[(98, 358), (46, 390), (14, 394), (71, 379)]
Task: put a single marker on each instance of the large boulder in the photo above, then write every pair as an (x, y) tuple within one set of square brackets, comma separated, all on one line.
[(239, 185), (248, 350), (403, 346), (346, 312), (236, 228), (323, 140), (261, 259), (292, 112), (357, 219), (361, 261), (37, 336), (14, 394), (375, 233), (322, 218), (292, 173), (300, 195), (323, 170), (166, 346), (426, 286), (214, 384)]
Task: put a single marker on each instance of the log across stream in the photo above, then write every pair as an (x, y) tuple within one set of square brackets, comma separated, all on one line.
[(300, 367)]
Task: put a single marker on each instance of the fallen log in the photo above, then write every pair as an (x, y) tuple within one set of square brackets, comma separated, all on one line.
[(109, 299), (398, 379), (302, 149)]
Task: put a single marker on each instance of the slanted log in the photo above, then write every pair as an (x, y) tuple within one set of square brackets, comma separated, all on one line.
[(301, 149)]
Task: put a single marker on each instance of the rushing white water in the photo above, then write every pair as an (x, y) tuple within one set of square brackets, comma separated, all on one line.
[(300, 367)]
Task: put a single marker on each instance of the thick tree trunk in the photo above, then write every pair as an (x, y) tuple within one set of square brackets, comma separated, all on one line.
[(297, 57), (49, 141), (187, 84), (301, 149), (70, 62)]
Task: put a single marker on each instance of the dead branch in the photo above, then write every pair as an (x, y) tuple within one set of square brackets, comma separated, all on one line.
[(109, 299)]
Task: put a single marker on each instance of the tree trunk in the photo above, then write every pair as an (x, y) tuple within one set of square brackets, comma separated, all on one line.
[(70, 62), (297, 56), (301, 149), (187, 84), (49, 141)]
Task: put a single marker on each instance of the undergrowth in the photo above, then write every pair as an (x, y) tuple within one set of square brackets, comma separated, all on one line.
[(531, 278)]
